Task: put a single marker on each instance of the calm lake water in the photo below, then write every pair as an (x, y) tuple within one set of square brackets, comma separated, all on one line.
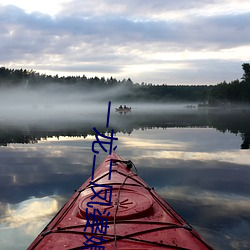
[(197, 160)]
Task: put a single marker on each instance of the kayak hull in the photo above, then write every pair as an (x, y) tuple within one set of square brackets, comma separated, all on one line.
[(136, 216)]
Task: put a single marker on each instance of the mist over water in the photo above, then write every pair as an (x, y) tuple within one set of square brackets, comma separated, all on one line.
[(191, 156), (63, 108), (64, 103), (47, 103)]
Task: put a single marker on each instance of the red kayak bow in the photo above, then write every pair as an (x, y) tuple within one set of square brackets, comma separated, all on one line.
[(120, 213)]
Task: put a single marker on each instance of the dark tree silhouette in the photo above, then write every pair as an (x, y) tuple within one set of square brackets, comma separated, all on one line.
[(220, 94), (246, 69)]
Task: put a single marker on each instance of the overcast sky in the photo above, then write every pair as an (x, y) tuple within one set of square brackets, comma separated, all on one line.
[(154, 41)]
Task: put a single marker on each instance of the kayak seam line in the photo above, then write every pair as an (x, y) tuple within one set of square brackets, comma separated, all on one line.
[(125, 222), (130, 236), (113, 183)]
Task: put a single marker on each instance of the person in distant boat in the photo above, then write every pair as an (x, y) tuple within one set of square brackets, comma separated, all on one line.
[(120, 107), (125, 106)]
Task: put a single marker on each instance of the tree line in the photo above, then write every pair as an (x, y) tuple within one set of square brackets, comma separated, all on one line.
[(236, 91)]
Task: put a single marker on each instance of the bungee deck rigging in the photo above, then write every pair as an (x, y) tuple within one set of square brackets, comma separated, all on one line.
[(138, 217)]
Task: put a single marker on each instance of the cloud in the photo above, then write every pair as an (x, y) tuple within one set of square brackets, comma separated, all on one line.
[(233, 204), (147, 9), (95, 38), (26, 220), (29, 210)]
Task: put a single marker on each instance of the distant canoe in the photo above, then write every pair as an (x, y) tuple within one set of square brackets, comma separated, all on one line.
[(123, 109)]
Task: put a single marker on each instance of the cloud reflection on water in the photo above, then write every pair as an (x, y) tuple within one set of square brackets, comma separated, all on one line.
[(201, 174), (207, 184), (25, 220), (29, 210), (226, 216), (235, 156)]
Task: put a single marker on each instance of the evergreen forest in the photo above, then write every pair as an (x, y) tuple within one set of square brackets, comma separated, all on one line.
[(224, 93)]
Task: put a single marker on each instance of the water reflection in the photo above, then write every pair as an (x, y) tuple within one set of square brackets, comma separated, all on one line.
[(31, 131), (20, 222), (193, 161), (203, 177), (33, 209)]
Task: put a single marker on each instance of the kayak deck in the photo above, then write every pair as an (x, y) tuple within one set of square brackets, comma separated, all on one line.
[(136, 216)]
